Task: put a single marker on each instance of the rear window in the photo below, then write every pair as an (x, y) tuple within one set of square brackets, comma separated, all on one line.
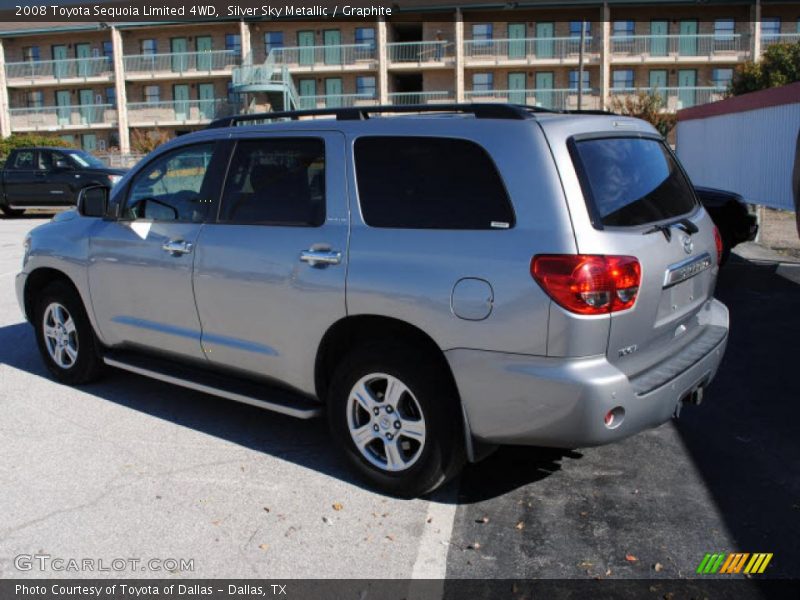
[(429, 183), (631, 181)]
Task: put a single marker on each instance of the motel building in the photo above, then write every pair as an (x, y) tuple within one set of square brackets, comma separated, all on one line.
[(96, 83)]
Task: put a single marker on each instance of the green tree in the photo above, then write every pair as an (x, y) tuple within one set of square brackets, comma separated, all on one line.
[(24, 140), (779, 65), (649, 105)]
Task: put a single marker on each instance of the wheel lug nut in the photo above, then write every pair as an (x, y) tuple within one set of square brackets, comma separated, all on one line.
[(397, 424), (389, 409), (389, 436), (374, 428), (376, 411)]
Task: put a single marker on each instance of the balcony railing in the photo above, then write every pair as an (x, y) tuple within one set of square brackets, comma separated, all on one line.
[(52, 118), (556, 99), (527, 49), (179, 111), (181, 63), (670, 46), (77, 68), (421, 97), (421, 52), (324, 56), (336, 101), (677, 97), (767, 39)]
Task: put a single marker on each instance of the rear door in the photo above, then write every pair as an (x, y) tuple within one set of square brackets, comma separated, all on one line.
[(20, 179), (635, 191), (270, 273)]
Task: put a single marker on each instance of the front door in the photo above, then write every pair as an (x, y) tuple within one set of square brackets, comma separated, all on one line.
[(264, 307), (63, 110), (687, 46), (544, 40), (307, 89), (204, 56), (86, 98), (60, 62), (544, 89), (89, 142), (516, 40), (658, 80), (205, 91), (180, 96), (658, 38), (305, 40), (140, 265), (180, 57), (83, 52), (333, 92), (332, 39), (687, 78), (516, 88)]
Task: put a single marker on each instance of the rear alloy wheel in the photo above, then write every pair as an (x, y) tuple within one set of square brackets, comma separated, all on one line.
[(65, 336), (397, 417)]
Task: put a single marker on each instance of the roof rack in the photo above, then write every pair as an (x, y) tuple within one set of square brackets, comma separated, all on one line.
[(361, 113)]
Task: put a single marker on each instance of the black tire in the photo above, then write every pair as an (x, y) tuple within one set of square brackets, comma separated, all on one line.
[(11, 212), (87, 365), (442, 454)]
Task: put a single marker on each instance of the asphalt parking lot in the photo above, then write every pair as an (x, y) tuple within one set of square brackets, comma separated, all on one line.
[(134, 468)]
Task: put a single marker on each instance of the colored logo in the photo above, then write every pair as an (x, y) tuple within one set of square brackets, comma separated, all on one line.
[(734, 562)]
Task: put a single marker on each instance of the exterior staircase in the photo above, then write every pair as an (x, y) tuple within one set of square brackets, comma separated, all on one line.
[(271, 79)]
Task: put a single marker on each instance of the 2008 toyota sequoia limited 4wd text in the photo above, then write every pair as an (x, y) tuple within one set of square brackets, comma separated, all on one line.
[(438, 283)]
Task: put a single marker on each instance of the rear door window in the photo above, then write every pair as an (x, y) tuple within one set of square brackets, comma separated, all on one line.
[(429, 183), (631, 181)]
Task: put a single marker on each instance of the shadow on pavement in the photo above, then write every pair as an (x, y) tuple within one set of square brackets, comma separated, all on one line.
[(305, 443), (745, 440)]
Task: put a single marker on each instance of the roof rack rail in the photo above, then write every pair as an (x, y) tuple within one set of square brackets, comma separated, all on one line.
[(480, 111)]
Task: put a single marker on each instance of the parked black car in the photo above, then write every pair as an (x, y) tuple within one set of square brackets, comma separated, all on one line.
[(729, 212), (50, 177)]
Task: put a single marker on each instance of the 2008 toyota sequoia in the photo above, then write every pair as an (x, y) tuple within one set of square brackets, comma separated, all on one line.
[(438, 283)]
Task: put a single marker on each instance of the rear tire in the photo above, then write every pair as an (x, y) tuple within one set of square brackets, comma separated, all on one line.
[(11, 212), (65, 336), (405, 414)]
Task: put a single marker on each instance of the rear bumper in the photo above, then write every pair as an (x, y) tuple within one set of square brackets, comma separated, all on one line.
[(539, 401)]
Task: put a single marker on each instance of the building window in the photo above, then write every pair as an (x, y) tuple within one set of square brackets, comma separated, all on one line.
[(573, 80), (366, 35), (482, 32), (233, 42), (770, 27), (149, 47), (483, 82), (721, 78), (152, 93), (365, 86), (34, 99), (575, 28), (111, 96), (724, 29), (623, 28), (108, 50), (272, 41), (622, 78), (30, 54)]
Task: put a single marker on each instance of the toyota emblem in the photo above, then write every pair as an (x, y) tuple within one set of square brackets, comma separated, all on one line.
[(688, 244)]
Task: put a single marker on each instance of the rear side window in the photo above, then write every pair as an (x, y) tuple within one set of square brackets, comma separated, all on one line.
[(429, 183), (631, 181), (276, 182), (23, 160)]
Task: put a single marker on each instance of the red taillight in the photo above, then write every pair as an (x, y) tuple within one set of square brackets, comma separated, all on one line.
[(588, 284), (718, 242)]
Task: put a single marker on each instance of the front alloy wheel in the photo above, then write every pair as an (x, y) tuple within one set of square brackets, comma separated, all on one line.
[(60, 335), (386, 422)]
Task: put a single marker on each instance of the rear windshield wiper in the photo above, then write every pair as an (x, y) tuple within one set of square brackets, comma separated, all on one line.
[(666, 228)]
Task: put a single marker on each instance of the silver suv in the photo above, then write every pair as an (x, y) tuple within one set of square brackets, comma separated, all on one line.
[(439, 283)]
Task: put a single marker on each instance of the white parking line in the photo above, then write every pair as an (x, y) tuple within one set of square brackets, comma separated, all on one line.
[(434, 543)]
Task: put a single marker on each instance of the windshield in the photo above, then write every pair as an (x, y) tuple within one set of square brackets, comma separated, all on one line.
[(84, 159), (631, 181)]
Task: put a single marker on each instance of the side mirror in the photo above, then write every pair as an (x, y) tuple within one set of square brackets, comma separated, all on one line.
[(93, 201)]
